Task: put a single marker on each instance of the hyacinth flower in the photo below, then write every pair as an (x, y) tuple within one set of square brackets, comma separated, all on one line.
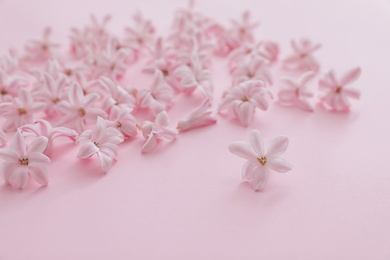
[(122, 119), (261, 159), (296, 93), (51, 92), (155, 132), (200, 117), (9, 63), (302, 59), (44, 128), (118, 96), (243, 30), (254, 69), (79, 109), (22, 161), (338, 91), (102, 141), (10, 86), (19, 110), (244, 98), (40, 50), (157, 97)]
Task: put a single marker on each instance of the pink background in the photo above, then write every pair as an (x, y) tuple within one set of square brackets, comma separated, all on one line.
[(186, 200)]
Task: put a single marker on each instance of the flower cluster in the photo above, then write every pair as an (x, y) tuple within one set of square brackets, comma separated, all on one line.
[(85, 93)]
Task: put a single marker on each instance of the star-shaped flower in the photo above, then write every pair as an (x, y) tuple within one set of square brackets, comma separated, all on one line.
[(19, 110), (244, 98), (296, 93), (21, 160), (261, 159), (79, 108), (122, 119), (303, 57), (338, 93), (44, 128), (157, 131), (40, 50), (103, 141), (243, 30), (118, 96), (256, 68)]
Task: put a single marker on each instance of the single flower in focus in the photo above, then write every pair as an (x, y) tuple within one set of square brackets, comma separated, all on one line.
[(296, 93), (21, 160), (256, 68), (201, 116), (303, 57), (261, 159), (44, 128), (118, 96), (338, 93), (244, 98), (19, 110), (102, 141), (156, 131)]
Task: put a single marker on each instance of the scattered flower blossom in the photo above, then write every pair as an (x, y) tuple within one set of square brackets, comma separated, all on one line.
[(201, 116), (303, 57)]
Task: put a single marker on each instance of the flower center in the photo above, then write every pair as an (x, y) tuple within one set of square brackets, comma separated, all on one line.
[(85, 92), (244, 99), (68, 72), (3, 92), (82, 111), (23, 161), (55, 100), (262, 160), (22, 111), (338, 89), (250, 75), (118, 125), (96, 144), (165, 72), (113, 67)]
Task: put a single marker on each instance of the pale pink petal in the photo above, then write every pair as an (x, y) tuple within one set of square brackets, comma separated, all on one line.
[(105, 161), (20, 177), (244, 112), (162, 119), (40, 174), (278, 164), (277, 146), (305, 105), (35, 159), (75, 94), (8, 155), (8, 170), (257, 143), (38, 145), (243, 150), (87, 150), (150, 144), (18, 144), (249, 168), (350, 76), (351, 92), (260, 178)]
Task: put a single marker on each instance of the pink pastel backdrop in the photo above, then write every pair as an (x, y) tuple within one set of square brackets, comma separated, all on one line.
[(186, 200)]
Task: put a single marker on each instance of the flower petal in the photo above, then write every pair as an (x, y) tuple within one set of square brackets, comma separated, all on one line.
[(162, 119), (244, 112), (243, 150), (87, 150), (18, 144), (351, 76), (278, 164), (257, 143), (20, 177), (150, 144), (39, 173), (8, 155), (105, 161), (249, 169), (260, 178), (277, 146), (37, 159), (38, 145)]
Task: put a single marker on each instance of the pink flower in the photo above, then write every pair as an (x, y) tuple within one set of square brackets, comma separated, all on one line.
[(296, 93), (244, 98), (40, 50), (122, 119), (3, 138), (44, 128), (79, 108), (338, 93), (10, 85), (158, 96), (195, 77), (9, 63), (19, 111), (200, 117), (254, 69), (22, 160), (103, 141), (52, 92), (260, 159), (141, 35), (243, 30), (156, 132), (118, 96), (302, 59), (267, 50)]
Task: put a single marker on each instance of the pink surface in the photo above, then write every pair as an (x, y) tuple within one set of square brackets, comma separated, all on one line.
[(186, 200)]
